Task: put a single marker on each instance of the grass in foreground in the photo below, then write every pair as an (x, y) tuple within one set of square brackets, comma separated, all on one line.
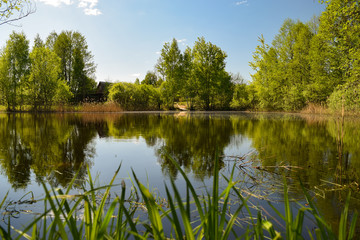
[(87, 216)]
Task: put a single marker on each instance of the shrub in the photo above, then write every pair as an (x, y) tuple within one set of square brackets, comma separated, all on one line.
[(347, 95), (132, 96)]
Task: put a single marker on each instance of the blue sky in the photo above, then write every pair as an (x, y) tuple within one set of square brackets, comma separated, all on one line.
[(126, 36)]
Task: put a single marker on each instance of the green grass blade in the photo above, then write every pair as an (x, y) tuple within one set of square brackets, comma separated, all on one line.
[(225, 194), (153, 212), (4, 234), (230, 223), (4, 199), (132, 225), (299, 222), (175, 219), (215, 199), (288, 212), (352, 226), (105, 223), (323, 231), (120, 225), (343, 219), (259, 226), (186, 221), (57, 220), (191, 188), (100, 209)]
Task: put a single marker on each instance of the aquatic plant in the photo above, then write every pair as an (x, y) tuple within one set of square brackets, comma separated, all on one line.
[(93, 214)]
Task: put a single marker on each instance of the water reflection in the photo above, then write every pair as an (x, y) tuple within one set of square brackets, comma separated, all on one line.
[(52, 146), (56, 146), (319, 151)]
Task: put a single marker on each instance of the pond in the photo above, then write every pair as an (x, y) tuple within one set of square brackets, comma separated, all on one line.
[(321, 152)]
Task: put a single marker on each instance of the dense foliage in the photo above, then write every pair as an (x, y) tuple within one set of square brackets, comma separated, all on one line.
[(314, 62), (196, 76), (52, 72), (132, 96)]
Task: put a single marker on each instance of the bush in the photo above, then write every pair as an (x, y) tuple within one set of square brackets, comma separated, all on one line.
[(347, 95), (132, 96)]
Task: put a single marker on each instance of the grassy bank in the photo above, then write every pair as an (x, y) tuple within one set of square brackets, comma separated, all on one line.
[(99, 107), (93, 214)]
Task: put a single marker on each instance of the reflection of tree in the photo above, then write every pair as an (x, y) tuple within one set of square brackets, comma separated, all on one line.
[(191, 140), (313, 146), (290, 141), (15, 156), (307, 143), (50, 146), (76, 152)]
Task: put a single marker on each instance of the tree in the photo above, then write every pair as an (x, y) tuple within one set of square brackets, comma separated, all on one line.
[(14, 70), (170, 67), (240, 99), (77, 65), (13, 10), (38, 42), (324, 75), (51, 39), (82, 84), (298, 67), (44, 79), (189, 90), (340, 27), (266, 83), (209, 71), (150, 79), (283, 69)]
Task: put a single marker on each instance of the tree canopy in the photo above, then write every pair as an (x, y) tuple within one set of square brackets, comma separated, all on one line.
[(55, 71), (314, 62), (195, 76)]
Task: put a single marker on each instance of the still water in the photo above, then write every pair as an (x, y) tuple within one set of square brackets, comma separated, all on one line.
[(322, 152)]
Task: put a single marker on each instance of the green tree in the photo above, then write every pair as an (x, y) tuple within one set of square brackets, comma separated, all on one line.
[(324, 75), (14, 10), (150, 79), (82, 84), (209, 71), (189, 90), (15, 69), (44, 78), (298, 67), (340, 26), (240, 99), (51, 39), (170, 67), (38, 42), (283, 69), (77, 65)]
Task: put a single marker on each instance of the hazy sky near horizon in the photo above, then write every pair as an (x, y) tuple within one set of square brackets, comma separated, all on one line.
[(126, 36)]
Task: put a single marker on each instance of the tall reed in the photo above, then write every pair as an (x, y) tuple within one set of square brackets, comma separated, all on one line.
[(86, 216)]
